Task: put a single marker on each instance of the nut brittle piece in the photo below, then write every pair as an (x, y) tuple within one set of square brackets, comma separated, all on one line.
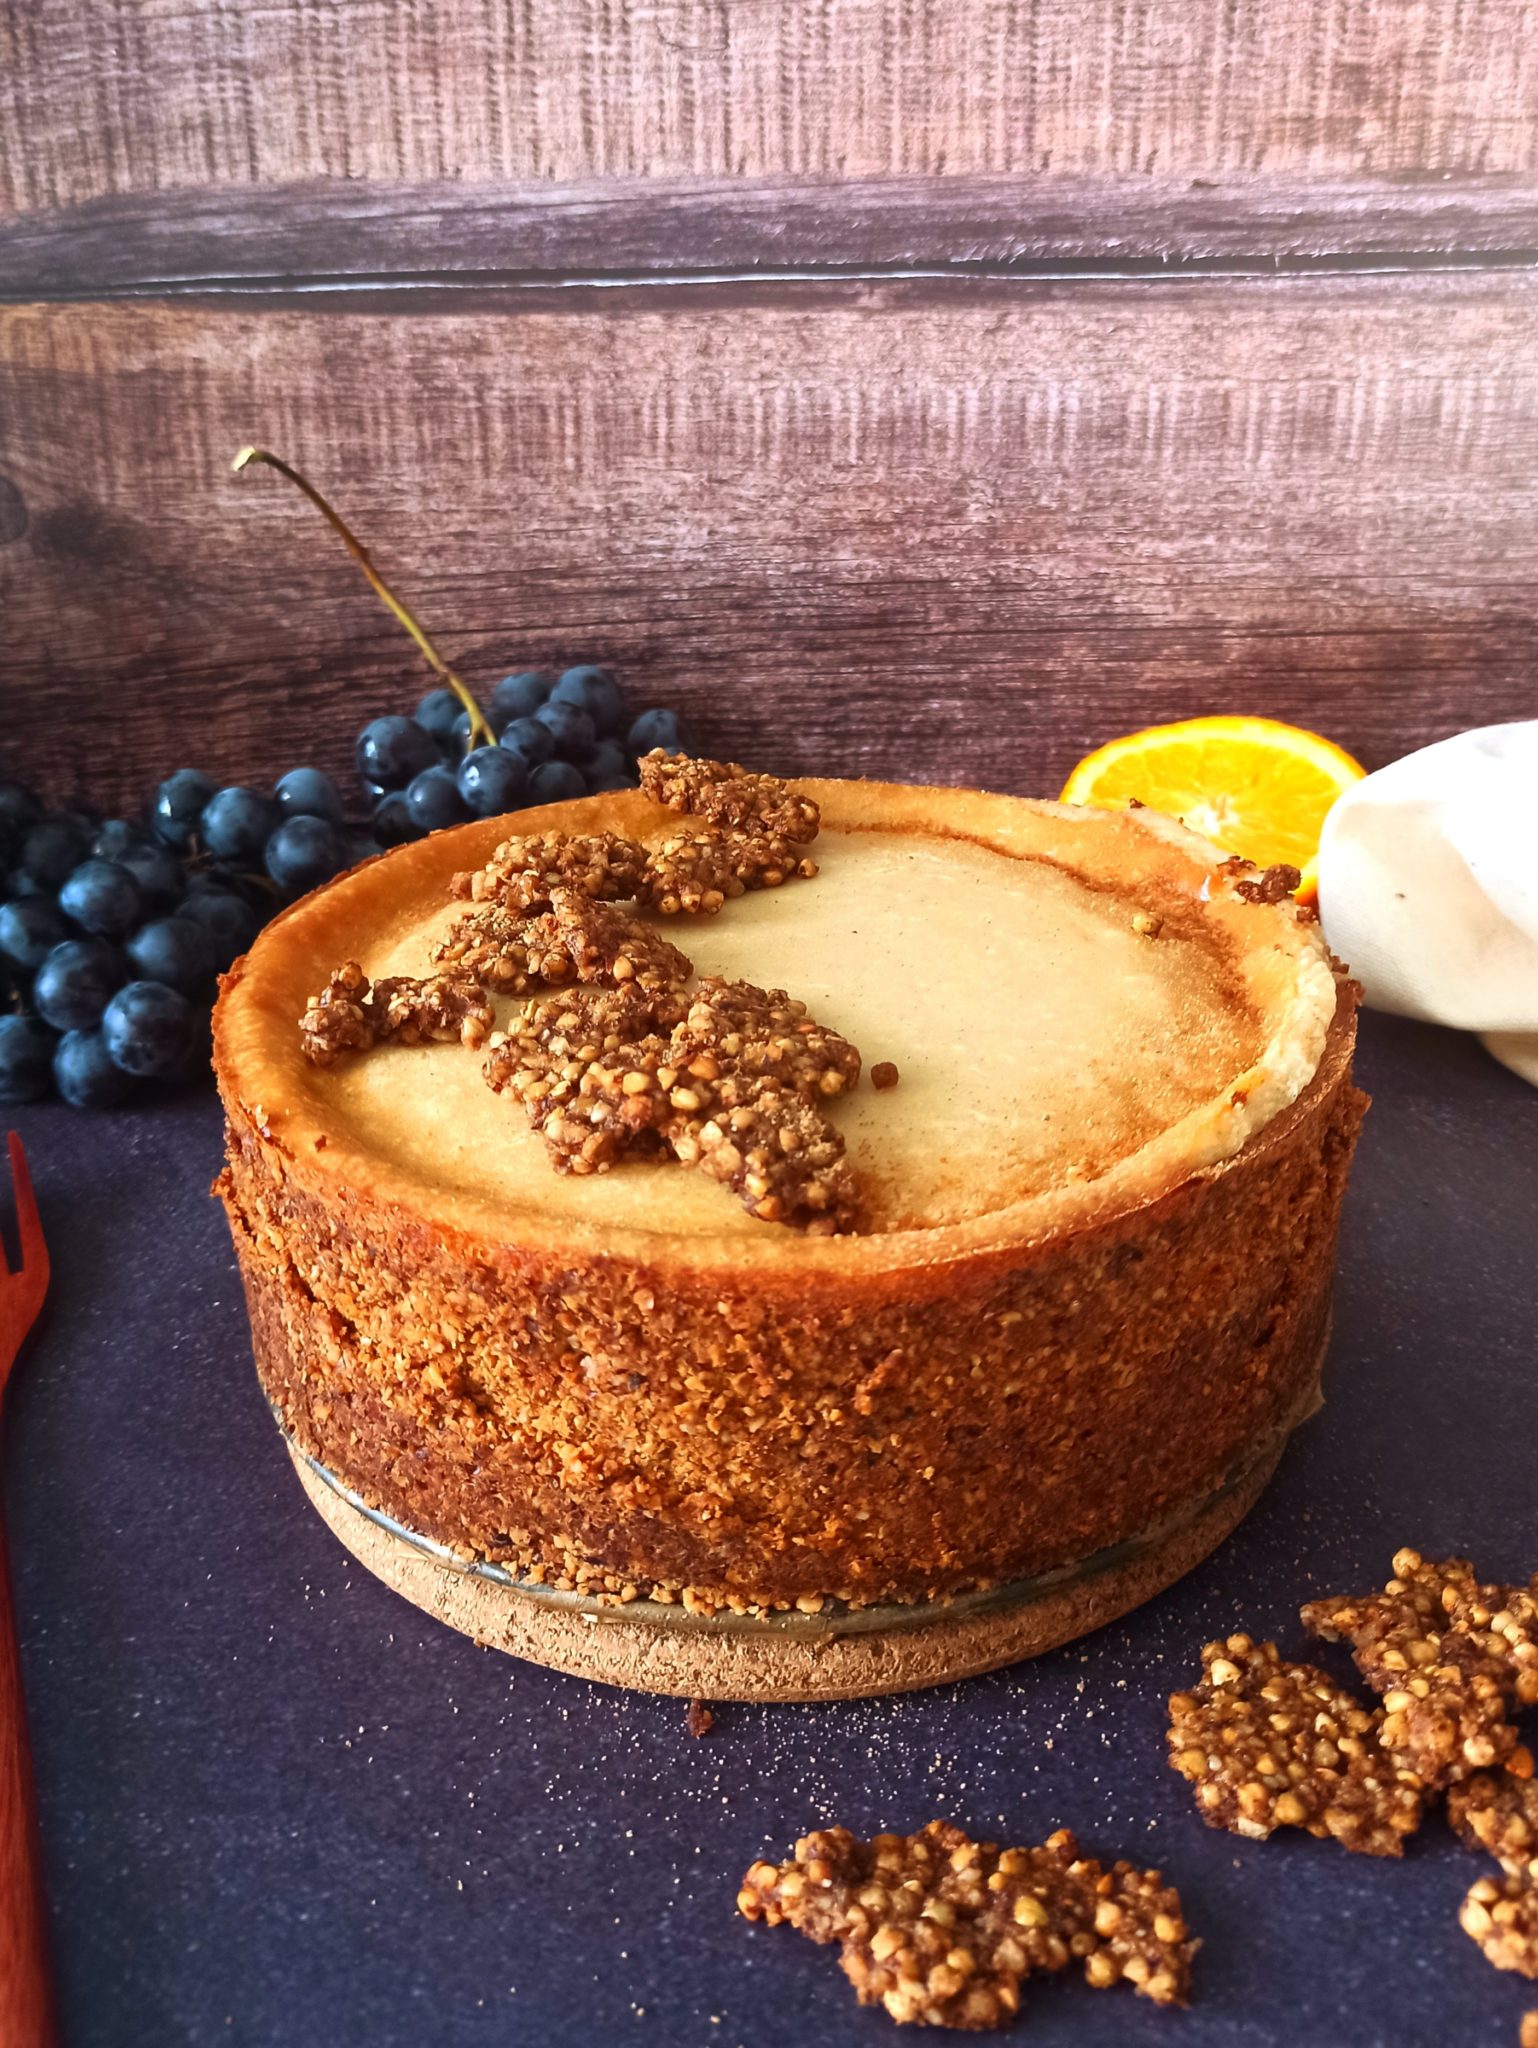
[(1429, 1644), (942, 1930), (1501, 1914), (351, 1013), (1498, 1812), (1269, 1744), (524, 872), (569, 1060), (579, 938), (728, 794), (1527, 2036), (697, 872)]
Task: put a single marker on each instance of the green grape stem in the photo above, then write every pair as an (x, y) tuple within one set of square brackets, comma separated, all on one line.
[(480, 734)]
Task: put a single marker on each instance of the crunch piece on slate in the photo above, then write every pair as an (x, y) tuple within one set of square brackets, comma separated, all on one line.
[(728, 794), (1528, 2038), (699, 871), (942, 1931), (1428, 1645), (1499, 1814), (1269, 1744), (1501, 1914), (523, 873), (351, 1013)]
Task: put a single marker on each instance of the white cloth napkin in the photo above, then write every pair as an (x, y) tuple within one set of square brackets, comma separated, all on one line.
[(1428, 887)]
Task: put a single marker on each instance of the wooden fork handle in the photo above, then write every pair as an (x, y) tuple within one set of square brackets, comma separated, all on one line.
[(26, 2001)]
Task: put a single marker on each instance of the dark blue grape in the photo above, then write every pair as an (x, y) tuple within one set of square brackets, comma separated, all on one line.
[(392, 821), (304, 852), (59, 843), (75, 983), (19, 812), (237, 823), (117, 837), (174, 950), (26, 1059), (571, 729), (179, 804), (147, 1028), (594, 691), (609, 763), (362, 846), (159, 874), (228, 921), (436, 714), (655, 729), (392, 750), (493, 780), (30, 928), (101, 896), (529, 740), (19, 883), (433, 799), (458, 740), (517, 696), (307, 793), (85, 1073), (554, 781)]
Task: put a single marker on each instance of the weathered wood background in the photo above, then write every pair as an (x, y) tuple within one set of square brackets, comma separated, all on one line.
[(926, 387)]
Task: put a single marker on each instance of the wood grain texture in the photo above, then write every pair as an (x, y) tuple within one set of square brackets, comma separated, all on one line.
[(122, 96), (228, 239), (924, 532)]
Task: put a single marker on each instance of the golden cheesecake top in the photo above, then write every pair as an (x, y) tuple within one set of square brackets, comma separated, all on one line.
[(1082, 1009)]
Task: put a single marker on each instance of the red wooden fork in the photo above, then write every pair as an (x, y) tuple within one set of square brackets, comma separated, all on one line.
[(26, 2003)]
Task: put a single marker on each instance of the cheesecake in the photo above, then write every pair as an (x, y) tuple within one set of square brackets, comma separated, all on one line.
[(1057, 1294)]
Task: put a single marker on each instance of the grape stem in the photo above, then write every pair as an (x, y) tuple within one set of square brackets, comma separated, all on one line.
[(480, 733)]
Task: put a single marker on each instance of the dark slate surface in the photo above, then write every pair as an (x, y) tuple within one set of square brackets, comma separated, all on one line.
[(281, 1806)]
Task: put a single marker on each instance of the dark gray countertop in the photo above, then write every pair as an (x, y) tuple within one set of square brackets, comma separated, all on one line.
[(280, 1806)]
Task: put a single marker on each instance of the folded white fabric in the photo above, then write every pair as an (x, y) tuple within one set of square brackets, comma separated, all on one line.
[(1428, 887)]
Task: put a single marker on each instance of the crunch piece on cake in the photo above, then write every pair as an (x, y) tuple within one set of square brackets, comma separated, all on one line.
[(1269, 1744), (579, 938), (697, 872), (1429, 1645), (729, 794), (524, 873), (942, 1930), (351, 1013)]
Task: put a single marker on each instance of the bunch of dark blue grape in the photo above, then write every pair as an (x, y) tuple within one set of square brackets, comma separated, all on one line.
[(557, 737), (112, 932)]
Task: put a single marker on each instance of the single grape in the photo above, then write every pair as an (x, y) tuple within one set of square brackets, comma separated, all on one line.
[(178, 805), (76, 982), (392, 750), (529, 740), (609, 763), (594, 691), (517, 696), (147, 1028), (571, 729), (19, 883), (655, 729), (237, 823), (493, 780), (304, 852), (101, 896), (54, 846), (362, 846), (458, 741), (26, 1059), (307, 793), (161, 878), (30, 928), (19, 812), (117, 837), (392, 820), (85, 1073), (437, 714), (174, 950), (433, 799), (553, 782), (228, 922)]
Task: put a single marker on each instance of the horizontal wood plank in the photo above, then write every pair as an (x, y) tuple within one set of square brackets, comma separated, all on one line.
[(121, 96), (892, 530)]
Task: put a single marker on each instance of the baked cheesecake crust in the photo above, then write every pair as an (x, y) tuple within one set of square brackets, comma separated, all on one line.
[(863, 1420)]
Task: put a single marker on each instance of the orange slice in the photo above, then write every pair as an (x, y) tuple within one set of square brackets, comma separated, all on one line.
[(1252, 785)]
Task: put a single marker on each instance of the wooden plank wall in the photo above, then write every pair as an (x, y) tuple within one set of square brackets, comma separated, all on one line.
[(925, 387)]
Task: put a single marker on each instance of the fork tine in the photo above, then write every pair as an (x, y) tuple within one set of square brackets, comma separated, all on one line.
[(29, 1228)]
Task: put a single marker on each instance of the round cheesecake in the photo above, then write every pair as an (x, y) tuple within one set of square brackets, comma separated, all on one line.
[(1085, 1303)]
